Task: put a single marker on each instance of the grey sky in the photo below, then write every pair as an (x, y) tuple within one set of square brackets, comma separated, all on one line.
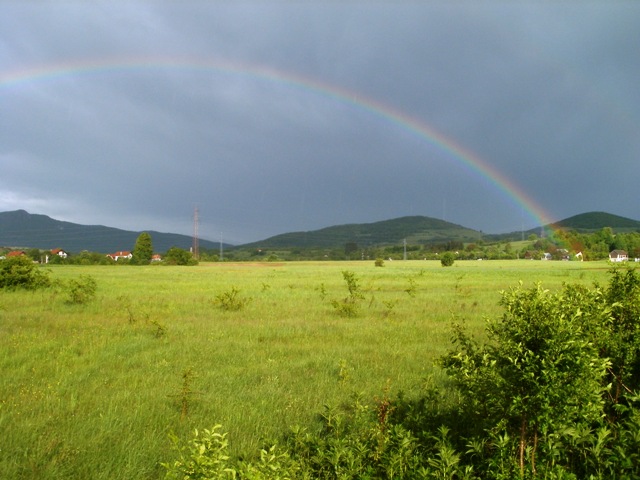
[(545, 93)]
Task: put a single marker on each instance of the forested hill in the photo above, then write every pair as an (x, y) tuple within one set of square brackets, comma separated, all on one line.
[(25, 230), (583, 223), (594, 221), (415, 229)]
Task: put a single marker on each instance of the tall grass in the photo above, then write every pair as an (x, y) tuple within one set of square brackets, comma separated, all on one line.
[(93, 390)]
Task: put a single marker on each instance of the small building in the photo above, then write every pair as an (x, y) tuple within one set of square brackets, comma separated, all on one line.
[(58, 251), (618, 256), (156, 257), (121, 254), (16, 253)]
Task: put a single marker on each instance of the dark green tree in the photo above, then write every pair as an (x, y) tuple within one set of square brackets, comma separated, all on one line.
[(143, 250), (447, 259), (178, 256)]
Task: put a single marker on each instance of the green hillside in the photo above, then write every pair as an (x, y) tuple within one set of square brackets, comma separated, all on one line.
[(415, 229), (584, 223), (25, 230), (593, 221)]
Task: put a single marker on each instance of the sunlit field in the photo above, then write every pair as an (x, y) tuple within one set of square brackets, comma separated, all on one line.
[(94, 390)]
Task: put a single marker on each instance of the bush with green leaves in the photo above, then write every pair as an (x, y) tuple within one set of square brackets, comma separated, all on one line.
[(21, 272), (231, 300), (81, 290), (537, 377), (350, 305), (206, 456), (447, 259), (179, 256)]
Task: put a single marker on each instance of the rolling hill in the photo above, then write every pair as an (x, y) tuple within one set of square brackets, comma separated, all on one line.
[(593, 221), (583, 223), (415, 229), (25, 230)]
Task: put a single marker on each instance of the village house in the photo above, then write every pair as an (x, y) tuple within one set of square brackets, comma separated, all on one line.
[(156, 257), (60, 252), (618, 256), (118, 255)]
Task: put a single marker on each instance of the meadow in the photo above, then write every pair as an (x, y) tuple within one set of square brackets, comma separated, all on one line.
[(94, 390)]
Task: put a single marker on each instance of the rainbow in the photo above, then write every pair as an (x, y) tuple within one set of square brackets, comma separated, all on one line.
[(387, 113)]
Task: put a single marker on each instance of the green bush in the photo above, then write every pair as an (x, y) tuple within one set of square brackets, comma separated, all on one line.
[(350, 305), (447, 259), (231, 300), (81, 290), (205, 457), (179, 256), (21, 272)]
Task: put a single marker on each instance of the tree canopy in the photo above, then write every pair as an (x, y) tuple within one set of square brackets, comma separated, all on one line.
[(143, 250)]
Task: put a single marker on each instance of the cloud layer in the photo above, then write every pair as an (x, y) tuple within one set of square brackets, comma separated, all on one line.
[(275, 117)]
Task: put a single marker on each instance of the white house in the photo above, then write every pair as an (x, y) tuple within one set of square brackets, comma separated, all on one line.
[(121, 254), (618, 256), (58, 251)]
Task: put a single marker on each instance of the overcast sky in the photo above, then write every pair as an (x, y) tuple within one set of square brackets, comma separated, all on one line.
[(272, 117)]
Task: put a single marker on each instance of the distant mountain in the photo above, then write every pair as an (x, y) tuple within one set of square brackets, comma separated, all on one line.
[(415, 229), (593, 221), (25, 230), (584, 223)]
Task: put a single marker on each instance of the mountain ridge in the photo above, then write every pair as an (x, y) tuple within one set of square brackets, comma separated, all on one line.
[(414, 229), (21, 229)]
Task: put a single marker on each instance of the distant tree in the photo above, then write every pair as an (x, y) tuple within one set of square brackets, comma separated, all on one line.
[(178, 256), (34, 254), (143, 250), (447, 259)]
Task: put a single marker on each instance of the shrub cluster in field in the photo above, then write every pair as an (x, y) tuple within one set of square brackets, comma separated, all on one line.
[(21, 272), (551, 393)]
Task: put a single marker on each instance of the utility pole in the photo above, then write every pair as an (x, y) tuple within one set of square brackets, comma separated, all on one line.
[(221, 252), (196, 243), (405, 248)]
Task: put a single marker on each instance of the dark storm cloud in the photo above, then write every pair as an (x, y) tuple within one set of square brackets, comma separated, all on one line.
[(545, 94)]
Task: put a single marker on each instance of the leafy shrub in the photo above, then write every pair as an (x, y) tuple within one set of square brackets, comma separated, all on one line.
[(179, 256), (379, 262), (447, 259), (81, 290), (231, 300), (206, 456), (350, 305), (21, 272)]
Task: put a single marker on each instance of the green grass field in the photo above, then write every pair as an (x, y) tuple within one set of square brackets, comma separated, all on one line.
[(93, 391)]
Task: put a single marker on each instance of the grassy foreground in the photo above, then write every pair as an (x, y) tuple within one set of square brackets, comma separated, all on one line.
[(92, 391)]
